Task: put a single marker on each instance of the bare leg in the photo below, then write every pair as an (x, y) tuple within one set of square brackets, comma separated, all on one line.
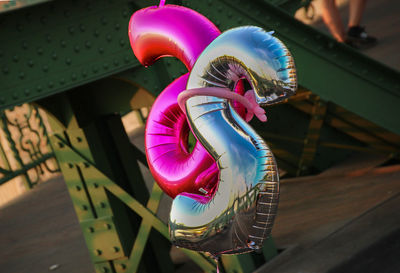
[(356, 10), (331, 17)]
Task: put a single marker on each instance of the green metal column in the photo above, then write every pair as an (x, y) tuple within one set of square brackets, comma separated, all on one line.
[(101, 170), (108, 226)]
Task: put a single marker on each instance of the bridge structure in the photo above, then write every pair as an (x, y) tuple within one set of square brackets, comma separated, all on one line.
[(73, 60)]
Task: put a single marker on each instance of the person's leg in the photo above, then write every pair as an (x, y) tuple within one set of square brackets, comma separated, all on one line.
[(331, 17), (356, 11), (356, 35)]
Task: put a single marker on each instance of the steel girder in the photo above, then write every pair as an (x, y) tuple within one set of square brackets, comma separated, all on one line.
[(55, 46)]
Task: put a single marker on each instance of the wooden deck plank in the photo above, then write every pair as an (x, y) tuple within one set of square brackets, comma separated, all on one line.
[(312, 208)]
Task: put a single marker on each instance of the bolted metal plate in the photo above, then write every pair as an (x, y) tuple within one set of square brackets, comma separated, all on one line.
[(102, 239)]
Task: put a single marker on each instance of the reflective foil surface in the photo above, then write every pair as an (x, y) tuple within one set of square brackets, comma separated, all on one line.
[(240, 215)]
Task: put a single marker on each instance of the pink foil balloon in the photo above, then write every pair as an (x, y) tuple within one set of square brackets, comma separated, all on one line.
[(169, 30)]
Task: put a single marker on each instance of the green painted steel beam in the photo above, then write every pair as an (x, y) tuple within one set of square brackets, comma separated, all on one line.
[(329, 69), (55, 46)]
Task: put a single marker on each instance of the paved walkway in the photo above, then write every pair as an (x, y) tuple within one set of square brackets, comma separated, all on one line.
[(381, 19)]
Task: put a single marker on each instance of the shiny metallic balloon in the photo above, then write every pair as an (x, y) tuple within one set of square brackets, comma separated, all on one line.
[(240, 214), (170, 30)]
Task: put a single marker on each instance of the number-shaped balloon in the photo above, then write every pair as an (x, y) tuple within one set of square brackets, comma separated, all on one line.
[(238, 215), (176, 31)]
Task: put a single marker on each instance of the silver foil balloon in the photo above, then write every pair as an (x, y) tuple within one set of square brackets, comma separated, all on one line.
[(239, 216)]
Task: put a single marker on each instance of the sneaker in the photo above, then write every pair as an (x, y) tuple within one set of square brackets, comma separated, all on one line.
[(357, 37)]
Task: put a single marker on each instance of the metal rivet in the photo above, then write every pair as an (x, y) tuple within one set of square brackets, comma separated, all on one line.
[(24, 45), (21, 75), (54, 56), (82, 27), (84, 73), (126, 59), (68, 61), (117, 26), (50, 84), (15, 58), (40, 51), (96, 33), (88, 44), (76, 48), (105, 65), (45, 68), (88, 6), (30, 63), (27, 92), (48, 38), (2, 100), (6, 70), (108, 37), (63, 43), (124, 13), (71, 29), (39, 88), (116, 62), (28, 16), (43, 19), (103, 20), (73, 76), (95, 69), (15, 96), (101, 50), (62, 80)]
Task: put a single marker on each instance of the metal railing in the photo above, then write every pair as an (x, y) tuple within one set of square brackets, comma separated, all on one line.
[(24, 146)]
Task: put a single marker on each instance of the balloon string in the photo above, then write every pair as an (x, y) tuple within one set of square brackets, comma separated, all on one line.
[(222, 93), (162, 3), (216, 259)]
